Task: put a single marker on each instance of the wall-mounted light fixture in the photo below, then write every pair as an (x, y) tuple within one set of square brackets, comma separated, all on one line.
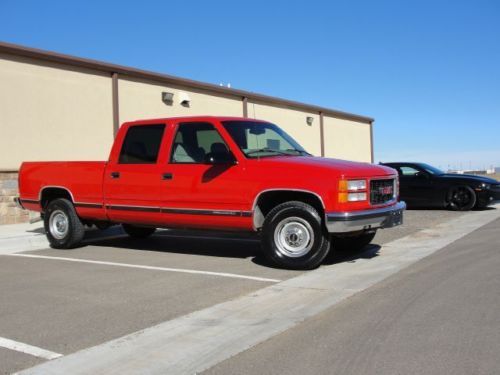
[(167, 97), (184, 99), (309, 120)]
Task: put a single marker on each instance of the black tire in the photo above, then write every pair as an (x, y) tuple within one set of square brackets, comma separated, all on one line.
[(63, 227), (304, 227), (137, 231), (461, 198), (352, 244)]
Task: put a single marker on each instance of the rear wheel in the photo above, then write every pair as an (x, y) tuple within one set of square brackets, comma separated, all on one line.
[(63, 227), (461, 198), (137, 231), (294, 237)]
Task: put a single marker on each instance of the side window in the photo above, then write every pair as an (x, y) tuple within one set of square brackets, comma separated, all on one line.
[(408, 171), (195, 142), (141, 144)]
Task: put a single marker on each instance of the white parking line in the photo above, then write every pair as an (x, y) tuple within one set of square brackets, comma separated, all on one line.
[(127, 265), (28, 349)]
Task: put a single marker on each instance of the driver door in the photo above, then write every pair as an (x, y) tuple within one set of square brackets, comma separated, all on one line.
[(416, 186), (204, 186)]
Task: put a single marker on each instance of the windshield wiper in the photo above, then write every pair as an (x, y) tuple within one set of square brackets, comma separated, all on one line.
[(301, 152), (266, 149)]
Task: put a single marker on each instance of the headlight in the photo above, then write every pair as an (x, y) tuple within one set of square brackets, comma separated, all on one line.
[(485, 186), (356, 185), (352, 191), (355, 197)]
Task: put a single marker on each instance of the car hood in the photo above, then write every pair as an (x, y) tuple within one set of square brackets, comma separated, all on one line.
[(342, 168), (469, 177)]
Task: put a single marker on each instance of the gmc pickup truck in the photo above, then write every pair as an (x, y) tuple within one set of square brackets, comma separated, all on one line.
[(219, 173)]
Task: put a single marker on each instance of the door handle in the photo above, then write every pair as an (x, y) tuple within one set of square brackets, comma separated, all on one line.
[(167, 176), (115, 174)]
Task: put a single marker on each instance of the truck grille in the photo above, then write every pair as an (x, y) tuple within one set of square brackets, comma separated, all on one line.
[(381, 191)]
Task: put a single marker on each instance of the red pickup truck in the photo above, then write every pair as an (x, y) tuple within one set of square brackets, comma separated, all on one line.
[(221, 173)]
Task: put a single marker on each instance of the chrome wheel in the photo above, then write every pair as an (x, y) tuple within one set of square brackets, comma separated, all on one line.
[(294, 237), (58, 224)]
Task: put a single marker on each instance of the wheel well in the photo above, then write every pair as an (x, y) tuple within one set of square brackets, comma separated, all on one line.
[(270, 199), (49, 194)]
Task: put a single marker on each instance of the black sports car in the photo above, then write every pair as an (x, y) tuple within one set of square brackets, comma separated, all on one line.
[(422, 185)]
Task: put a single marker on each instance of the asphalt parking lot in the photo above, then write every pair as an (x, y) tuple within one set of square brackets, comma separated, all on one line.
[(66, 300)]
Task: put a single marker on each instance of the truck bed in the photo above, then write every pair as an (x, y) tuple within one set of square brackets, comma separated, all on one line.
[(82, 179)]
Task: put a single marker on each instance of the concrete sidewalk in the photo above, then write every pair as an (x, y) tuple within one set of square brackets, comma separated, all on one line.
[(16, 238), (22, 237)]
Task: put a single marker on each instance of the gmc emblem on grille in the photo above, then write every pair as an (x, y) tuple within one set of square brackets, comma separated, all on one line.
[(386, 190)]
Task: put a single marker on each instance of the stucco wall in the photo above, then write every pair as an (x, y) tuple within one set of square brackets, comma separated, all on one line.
[(293, 122), (140, 99), (347, 139), (50, 112), (62, 111)]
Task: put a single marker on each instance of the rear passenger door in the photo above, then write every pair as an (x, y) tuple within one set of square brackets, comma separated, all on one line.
[(132, 180)]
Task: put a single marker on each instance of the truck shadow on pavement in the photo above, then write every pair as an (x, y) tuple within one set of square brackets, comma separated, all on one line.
[(216, 246), (189, 245), (349, 256)]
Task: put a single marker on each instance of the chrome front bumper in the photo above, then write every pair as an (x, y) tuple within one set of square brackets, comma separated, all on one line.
[(386, 217)]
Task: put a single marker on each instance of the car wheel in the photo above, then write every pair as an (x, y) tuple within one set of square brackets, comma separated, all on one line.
[(137, 231), (352, 244), (294, 237), (461, 198), (62, 225)]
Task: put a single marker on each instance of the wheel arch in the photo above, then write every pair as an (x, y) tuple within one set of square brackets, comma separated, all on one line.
[(267, 199), (49, 193)]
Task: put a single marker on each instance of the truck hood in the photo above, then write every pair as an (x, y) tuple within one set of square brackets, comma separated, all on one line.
[(338, 167)]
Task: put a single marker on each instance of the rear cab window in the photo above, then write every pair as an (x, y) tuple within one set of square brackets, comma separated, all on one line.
[(142, 144)]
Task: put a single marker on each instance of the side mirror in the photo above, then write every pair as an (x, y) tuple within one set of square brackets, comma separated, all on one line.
[(220, 158), (421, 175)]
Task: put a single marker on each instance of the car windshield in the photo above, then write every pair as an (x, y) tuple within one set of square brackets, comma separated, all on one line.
[(430, 169), (261, 139)]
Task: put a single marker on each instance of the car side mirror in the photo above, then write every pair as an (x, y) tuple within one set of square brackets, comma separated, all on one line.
[(421, 175), (220, 158)]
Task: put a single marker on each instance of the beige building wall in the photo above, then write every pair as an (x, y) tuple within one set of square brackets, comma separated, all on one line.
[(140, 99), (293, 122), (50, 112), (347, 140), (60, 110)]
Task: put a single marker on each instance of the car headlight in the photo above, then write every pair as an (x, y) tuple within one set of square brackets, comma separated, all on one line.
[(353, 185), (352, 191), (485, 186), (355, 197)]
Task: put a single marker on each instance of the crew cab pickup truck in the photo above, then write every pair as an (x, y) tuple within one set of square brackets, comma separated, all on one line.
[(220, 173)]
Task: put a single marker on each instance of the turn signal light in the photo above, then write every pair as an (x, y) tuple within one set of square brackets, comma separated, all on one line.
[(352, 191)]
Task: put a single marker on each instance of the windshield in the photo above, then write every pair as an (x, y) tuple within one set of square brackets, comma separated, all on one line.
[(430, 169), (260, 139)]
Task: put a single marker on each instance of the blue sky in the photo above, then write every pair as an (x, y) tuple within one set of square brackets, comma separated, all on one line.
[(427, 71)]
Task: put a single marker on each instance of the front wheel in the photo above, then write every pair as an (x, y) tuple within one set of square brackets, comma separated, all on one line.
[(293, 236), (138, 232), (63, 227)]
